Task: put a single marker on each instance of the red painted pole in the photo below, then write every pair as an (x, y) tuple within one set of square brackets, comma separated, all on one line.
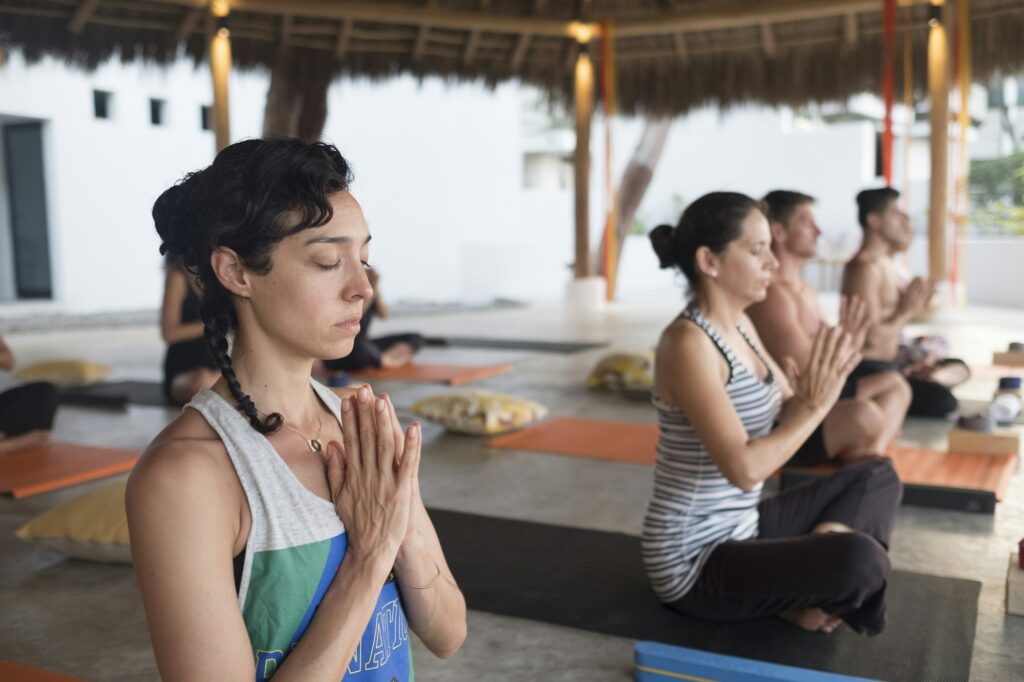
[(888, 85)]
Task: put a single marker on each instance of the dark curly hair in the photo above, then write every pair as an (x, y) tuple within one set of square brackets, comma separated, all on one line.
[(715, 220), (255, 194)]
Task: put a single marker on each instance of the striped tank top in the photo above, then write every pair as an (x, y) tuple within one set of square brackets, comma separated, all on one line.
[(294, 548), (694, 508)]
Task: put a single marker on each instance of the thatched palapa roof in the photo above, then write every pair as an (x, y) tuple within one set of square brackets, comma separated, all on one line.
[(672, 55)]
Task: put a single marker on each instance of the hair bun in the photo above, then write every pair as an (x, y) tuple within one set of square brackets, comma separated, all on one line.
[(661, 241)]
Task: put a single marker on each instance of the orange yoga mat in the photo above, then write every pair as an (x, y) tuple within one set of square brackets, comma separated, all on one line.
[(618, 441), (59, 465), (453, 375), (966, 471), (16, 672)]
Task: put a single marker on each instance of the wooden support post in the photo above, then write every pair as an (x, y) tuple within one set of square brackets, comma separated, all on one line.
[(938, 93), (220, 68), (82, 16), (581, 159)]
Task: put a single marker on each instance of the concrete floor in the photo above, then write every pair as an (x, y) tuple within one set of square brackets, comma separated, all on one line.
[(86, 619)]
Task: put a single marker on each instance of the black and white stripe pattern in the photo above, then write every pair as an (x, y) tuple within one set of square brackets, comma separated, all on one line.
[(694, 508)]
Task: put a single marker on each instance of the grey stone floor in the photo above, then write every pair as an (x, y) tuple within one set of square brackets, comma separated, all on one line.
[(86, 619)]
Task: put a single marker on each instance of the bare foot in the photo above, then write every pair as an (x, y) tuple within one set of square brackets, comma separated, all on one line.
[(831, 527), (812, 620), (398, 355), (32, 439)]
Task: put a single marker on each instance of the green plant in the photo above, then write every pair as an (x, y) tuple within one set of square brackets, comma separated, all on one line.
[(996, 188)]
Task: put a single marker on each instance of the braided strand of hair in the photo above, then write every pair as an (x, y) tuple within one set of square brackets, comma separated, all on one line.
[(215, 329)]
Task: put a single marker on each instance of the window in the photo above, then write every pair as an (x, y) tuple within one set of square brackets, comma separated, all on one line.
[(206, 117), (102, 104), (547, 171), (156, 111)]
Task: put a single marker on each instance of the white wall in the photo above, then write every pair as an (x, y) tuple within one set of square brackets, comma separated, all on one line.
[(439, 171)]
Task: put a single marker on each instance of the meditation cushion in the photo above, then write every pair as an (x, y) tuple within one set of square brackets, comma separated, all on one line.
[(480, 413), (624, 372), (92, 526), (70, 373)]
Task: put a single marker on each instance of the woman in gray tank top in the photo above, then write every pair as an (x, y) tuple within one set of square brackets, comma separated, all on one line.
[(277, 529), (815, 555)]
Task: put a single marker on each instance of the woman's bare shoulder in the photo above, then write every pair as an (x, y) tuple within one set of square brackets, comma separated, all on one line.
[(187, 455)]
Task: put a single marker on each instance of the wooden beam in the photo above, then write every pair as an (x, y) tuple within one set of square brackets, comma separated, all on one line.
[(188, 25), (82, 15), (850, 30), (519, 53), (745, 15), (748, 14), (394, 14), (421, 42), (286, 29), (344, 38), (471, 46), (680, 46), (768, 40)]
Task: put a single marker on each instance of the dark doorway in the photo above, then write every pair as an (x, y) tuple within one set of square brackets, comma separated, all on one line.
[(26, 196)]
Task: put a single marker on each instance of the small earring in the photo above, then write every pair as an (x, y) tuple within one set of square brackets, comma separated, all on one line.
[(714, 274)]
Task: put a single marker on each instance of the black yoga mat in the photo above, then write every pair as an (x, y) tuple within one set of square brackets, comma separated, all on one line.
[(515, 344), (116, 395), (594, 580)]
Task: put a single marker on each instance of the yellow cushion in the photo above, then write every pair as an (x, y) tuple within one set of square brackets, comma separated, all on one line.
[(626, 372), (92, 526), (67, 373), (480, 412)]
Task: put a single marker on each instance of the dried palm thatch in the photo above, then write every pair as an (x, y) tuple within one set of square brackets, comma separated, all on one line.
[(673, 55)]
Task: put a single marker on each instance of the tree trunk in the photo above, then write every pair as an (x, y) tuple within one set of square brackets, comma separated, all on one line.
[(297, 98), (637, 177)]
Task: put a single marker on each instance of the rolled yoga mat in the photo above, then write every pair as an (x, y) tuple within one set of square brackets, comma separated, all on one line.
[(594, 580), (514, 344), (116, 395)]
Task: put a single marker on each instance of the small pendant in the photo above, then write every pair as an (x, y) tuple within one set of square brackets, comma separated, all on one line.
[(315, 445)]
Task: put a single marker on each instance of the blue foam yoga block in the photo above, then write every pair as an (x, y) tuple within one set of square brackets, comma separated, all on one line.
[(654, 662)]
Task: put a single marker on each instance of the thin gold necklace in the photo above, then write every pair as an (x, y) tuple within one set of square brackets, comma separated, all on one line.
[(314, 443)]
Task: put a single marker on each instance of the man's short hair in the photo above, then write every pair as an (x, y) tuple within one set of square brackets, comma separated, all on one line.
[(780, 204), (874, 201)]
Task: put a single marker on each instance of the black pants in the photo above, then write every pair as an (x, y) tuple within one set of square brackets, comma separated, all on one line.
[(929, 398), (786, 567), (366, 352), (27, 408)]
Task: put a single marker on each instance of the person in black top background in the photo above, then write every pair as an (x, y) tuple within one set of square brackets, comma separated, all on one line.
[(396, 350), (188, 364)]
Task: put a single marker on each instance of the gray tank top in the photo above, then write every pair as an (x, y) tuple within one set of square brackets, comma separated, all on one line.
[(294, 548)]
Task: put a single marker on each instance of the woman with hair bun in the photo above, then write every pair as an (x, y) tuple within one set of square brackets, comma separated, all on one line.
[(729, 417), (278, 530)]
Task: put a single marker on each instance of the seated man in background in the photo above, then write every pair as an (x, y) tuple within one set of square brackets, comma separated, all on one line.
[(875, 276), (26, 411), (870, 412)]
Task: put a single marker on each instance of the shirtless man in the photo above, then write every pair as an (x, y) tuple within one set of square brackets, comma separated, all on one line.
[(874, 275), (869, 415)]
